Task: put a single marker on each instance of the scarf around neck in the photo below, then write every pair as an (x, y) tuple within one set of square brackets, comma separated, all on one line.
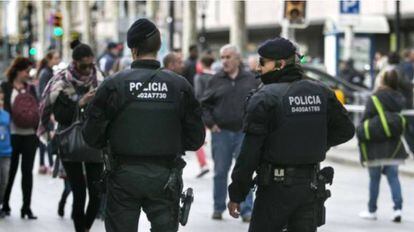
[(67, 81)]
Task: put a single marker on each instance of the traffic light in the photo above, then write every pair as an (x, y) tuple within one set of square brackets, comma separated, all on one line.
[(295, 11), (57, 24), (33, 51)]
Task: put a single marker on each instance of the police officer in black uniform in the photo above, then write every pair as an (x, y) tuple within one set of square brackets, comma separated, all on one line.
[(148, 118), (290, 124)]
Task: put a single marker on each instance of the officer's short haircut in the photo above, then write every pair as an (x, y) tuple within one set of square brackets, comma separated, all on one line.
[(150, 45), (231, 47), (169, 59)]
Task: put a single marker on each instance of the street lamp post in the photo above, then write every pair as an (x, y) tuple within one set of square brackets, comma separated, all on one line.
[(171, 22), (397, 26), (29, 32), (202, 38)]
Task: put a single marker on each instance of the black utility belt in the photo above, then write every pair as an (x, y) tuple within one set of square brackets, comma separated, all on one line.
[(268, 173), (294, 171)]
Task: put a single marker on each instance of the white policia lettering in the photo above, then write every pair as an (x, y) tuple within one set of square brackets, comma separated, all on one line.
[(305, 104), (305, 100), (153, 86), (155, 90)]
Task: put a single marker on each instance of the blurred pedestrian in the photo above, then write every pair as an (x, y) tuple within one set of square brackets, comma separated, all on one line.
[(383, 156), (44, 74), (380, 61), (173, 62), (200, 84), (66, 95), (222, 113), (252, 64), (109, 58), (405, 86), (5, 150), (350, 74), (20, 100), (407, 70), (190, 65), (407, 65)]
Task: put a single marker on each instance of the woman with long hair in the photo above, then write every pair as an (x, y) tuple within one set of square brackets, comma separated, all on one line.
[(43, 75), (65, 96), (23, 137)]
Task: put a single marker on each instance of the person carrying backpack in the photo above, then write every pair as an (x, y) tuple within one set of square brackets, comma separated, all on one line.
[(380, 142), (21, 102)]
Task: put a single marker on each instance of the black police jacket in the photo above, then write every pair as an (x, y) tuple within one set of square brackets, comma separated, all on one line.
[(289, 121), (162, 119)]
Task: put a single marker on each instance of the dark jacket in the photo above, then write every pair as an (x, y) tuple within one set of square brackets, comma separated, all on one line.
[(44, 77), (392, 151), (190, 69), (260, 124), (200, 84), (224, 99), (109, 103)]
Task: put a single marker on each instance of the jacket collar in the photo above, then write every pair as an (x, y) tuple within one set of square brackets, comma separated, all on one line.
[(147, 64), (223, 74), (289, 74)]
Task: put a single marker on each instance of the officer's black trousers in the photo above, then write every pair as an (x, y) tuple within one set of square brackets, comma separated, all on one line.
[(135, 187), (279, 205)]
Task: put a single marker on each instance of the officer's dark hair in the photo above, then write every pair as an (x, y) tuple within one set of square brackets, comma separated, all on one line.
[(149, 46), (82, 51), (390, 80)]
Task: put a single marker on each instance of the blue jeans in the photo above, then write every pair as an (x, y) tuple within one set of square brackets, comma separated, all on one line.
[(391, 172), (226, 146)]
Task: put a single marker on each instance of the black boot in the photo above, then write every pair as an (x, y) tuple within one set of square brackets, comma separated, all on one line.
[(28, 213), (6, 210)]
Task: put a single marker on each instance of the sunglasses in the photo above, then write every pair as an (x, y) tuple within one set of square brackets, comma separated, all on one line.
[(85, 66)]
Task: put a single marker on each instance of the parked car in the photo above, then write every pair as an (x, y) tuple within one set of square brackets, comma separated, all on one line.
[(352, 94)]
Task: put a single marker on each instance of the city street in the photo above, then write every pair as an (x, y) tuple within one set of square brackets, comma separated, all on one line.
[(349, 191)]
